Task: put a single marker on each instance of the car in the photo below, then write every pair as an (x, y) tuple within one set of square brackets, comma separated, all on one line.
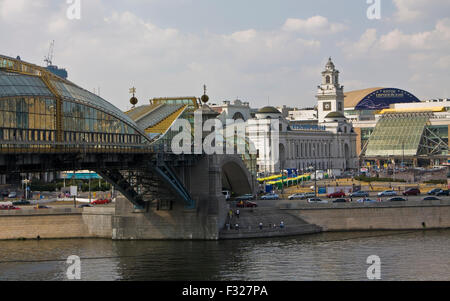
[(297, 196), (397, 199), (8, 207), (270, 196), (245, 197), (434, 191), (360, 194), (387, 193), (4, 193), (227, 194), (85, 205), (431, 198), (12, 195), (310, 195), (340, 201), (246, 204), (442, 193), (42, 207), (21, 203), (337, 194), (411, 191), (365, 200), (317, 201), (101, 202)]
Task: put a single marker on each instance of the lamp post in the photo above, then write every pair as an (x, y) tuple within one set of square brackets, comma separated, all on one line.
[(315, 172)]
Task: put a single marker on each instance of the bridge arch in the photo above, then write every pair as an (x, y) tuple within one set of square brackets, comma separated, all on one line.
[(235, 175)]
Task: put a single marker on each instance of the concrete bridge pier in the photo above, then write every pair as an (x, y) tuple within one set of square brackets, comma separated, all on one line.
[(171, 219)]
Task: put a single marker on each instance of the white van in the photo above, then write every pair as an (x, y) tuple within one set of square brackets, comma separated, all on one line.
[(227, 194)]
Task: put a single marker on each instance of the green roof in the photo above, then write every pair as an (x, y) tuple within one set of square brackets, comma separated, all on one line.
[(269, 110), (335, 115)]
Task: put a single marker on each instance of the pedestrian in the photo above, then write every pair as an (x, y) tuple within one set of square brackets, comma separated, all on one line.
[(260, 226), (237, 226), (237, 213), (282, 225)]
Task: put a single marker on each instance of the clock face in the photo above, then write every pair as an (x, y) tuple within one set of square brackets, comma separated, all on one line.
[(327, 106)]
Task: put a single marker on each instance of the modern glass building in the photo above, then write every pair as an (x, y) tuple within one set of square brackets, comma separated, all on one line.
[(41, 110)]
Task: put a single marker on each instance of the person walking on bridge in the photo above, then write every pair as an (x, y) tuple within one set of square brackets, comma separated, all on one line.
[(238, 212)]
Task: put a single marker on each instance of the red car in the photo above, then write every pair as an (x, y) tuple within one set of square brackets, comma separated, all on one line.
[(8, 207), (335, 195), (246, 204), (412, 191), (101, 202)]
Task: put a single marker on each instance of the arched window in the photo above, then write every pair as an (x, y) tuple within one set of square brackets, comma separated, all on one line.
[(327, 79)]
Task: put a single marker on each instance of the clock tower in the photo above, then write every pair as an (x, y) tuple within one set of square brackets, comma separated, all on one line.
[(330, 94)]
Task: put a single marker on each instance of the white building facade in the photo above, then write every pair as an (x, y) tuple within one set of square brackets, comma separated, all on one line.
[(328, 146)]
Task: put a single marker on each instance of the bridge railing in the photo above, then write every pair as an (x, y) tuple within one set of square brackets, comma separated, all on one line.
[(21, 147)]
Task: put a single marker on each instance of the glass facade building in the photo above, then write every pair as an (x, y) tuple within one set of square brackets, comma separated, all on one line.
[(41, 110)]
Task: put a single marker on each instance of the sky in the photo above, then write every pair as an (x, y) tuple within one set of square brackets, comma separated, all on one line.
[(260, 51)]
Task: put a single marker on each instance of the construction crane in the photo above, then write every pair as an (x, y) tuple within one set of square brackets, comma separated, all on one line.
[(49, 58)]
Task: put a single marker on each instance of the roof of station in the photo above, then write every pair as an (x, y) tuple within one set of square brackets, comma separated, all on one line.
[(377, 98), (19, 79), (397, 135)]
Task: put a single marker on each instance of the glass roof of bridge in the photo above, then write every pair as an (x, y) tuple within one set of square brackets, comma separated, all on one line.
[(19, 78), (13, 84)]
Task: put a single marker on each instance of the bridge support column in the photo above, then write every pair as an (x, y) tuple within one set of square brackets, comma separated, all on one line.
[(171, 219)]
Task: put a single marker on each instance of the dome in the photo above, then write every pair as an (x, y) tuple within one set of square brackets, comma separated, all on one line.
[(377, 98), (269, 110), (335, 115), (133, 101)]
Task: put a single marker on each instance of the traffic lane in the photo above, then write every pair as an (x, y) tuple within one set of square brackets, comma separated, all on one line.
[(275, 203)]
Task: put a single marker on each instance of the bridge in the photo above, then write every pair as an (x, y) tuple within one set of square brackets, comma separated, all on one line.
[(49, 124)]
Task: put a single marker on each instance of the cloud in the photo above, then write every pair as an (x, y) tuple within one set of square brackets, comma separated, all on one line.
[(370, 44), (313, 25), (413, 10)]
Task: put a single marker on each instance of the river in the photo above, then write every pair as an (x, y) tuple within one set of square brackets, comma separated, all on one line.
[(414, 255)]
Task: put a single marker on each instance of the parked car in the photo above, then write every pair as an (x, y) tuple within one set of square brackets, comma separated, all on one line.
[(317, 201), (310, 195), (397, 199), (21, 203), (338, 194), (271, 196), (245, 197), (431, 198), (365, 200), (8, 207), (359, 194), (442, 193), (246, 204), (85, 205), (411, 191), (387, 193), (297, 196), (12, 195), (340, 201), (4, 193), (434, 191)]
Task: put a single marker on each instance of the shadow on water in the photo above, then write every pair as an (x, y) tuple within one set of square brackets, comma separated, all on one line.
[(405, 255)]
